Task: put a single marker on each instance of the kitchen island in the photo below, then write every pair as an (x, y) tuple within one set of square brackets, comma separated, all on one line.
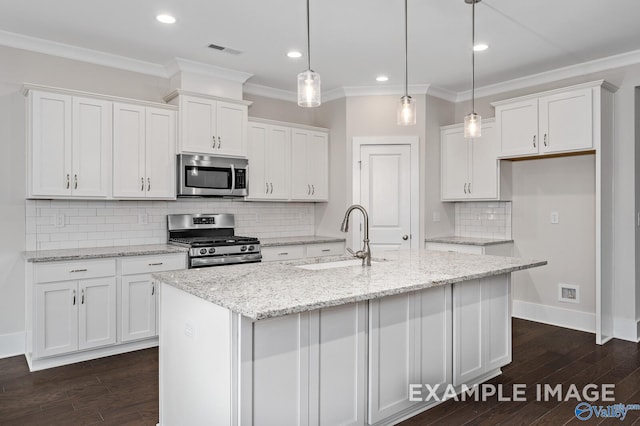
[(328, 341)]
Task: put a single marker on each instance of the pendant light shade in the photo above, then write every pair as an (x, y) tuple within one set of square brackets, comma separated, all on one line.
[(407, 105), (407, 111), (308, 89), (309, 81), (473, 121)]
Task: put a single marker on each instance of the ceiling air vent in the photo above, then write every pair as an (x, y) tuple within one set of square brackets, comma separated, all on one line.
[(224, 49)]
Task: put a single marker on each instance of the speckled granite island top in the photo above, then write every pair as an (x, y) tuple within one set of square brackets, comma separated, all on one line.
[(291, 241), (100, 252), (471, 241), (265, 290)]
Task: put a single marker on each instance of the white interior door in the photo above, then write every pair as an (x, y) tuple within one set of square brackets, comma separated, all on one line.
[(385, 191)]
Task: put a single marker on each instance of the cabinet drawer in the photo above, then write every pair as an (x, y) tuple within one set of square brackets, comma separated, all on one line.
[(149, 264), (326, 249), (460, 248), (66, 271), (270, 254)]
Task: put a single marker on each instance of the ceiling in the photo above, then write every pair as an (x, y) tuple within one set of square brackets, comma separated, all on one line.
[(352, 41)]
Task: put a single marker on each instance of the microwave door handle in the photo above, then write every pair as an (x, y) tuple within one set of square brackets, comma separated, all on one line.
[(233, 178)]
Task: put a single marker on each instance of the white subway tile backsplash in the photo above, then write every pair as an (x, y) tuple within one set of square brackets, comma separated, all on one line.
[(113, 223), (483, 219)]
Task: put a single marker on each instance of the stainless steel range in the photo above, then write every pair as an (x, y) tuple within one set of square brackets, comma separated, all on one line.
[(211, 240)]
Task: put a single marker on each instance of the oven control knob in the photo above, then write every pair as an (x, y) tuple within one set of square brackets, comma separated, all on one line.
[(251, 248), (243, 248), (203, 251), (212, 250)]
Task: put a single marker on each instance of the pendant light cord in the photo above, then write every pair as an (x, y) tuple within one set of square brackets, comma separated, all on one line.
[(406, 52), (473, 57), (308, 40)]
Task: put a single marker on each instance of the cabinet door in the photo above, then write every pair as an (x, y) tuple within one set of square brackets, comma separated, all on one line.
[(517, 126), (257, 153), (496, 303), (160, 154), (197, 123), (483, 171), (566, 121), (138, 307), (393, 355), (97, 312), (56, 318), (455, 164), (277, 162), (435, 336), (91, 147), (128, 151), (468, 327), (300, 185), (231, 128), (317, 163), (281, 371), (50, 129)]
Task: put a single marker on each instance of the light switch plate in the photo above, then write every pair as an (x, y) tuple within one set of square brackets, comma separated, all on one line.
[(436, 216), (143, 219), (555, 217)]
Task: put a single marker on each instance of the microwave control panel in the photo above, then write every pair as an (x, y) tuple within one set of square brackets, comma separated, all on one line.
[(241, 178)]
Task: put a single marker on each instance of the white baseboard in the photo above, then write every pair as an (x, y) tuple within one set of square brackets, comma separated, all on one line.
[(11, 344), (638, 339), (567, 318)]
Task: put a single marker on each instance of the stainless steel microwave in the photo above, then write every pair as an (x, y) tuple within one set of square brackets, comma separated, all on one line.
[(207, 176)]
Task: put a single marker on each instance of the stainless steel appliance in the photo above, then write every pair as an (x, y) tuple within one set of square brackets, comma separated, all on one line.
[(211, 240), (207, 176)]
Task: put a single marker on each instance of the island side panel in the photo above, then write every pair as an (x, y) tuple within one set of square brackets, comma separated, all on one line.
[(195, 360)]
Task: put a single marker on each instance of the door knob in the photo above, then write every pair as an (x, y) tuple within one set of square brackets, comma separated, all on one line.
[(405, 237)]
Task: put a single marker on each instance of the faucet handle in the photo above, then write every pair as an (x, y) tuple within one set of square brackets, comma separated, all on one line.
[(351, 252)]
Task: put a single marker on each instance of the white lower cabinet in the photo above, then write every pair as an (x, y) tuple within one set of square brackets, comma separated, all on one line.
[(481, 328), (74, 315), (81, 310)]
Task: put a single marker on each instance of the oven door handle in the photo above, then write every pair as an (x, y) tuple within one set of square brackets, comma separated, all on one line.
[(233, 178)]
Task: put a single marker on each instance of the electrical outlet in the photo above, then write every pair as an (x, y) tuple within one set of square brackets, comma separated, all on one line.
[(555, 217), (58, 221), (189, 330), (568, 293), (143, 219), (436, 216)]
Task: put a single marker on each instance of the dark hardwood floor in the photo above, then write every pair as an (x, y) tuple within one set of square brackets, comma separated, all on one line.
[(123, 389)]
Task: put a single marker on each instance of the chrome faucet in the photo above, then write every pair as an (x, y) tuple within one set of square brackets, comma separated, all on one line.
[(365, 253)]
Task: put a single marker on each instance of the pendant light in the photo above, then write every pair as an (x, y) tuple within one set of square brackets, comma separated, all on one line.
[(473, 121), (308, 81), (407, 105)]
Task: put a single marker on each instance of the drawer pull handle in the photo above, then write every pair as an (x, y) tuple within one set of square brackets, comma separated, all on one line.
[(326, 250), (82, 298), (78, 270), (282, 254), (156, 264), (74, 298), (153, 289)]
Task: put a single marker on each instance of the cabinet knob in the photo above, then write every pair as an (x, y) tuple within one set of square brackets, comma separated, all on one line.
[(405, 237)]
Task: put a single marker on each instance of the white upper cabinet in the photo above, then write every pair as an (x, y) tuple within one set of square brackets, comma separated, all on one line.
[(143, 152), (309, 165), (269, 171), (470, 169), (555, 122), (210, 125), (70, 146), (287, 162)]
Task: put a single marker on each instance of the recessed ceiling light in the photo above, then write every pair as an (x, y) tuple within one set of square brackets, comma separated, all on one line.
[(382, 78), (294, 54), (166, 19), (479, 47)]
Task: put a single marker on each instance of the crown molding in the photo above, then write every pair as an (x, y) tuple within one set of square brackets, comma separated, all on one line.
[(442, 93), (270, 92), (571, 71), (76, 53), (333, 94), (185, 65), (384, 90)]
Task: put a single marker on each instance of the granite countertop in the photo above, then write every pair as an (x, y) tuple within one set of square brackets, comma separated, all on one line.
[(471, 241), (100, 252), (265, 290), (291, 241)]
